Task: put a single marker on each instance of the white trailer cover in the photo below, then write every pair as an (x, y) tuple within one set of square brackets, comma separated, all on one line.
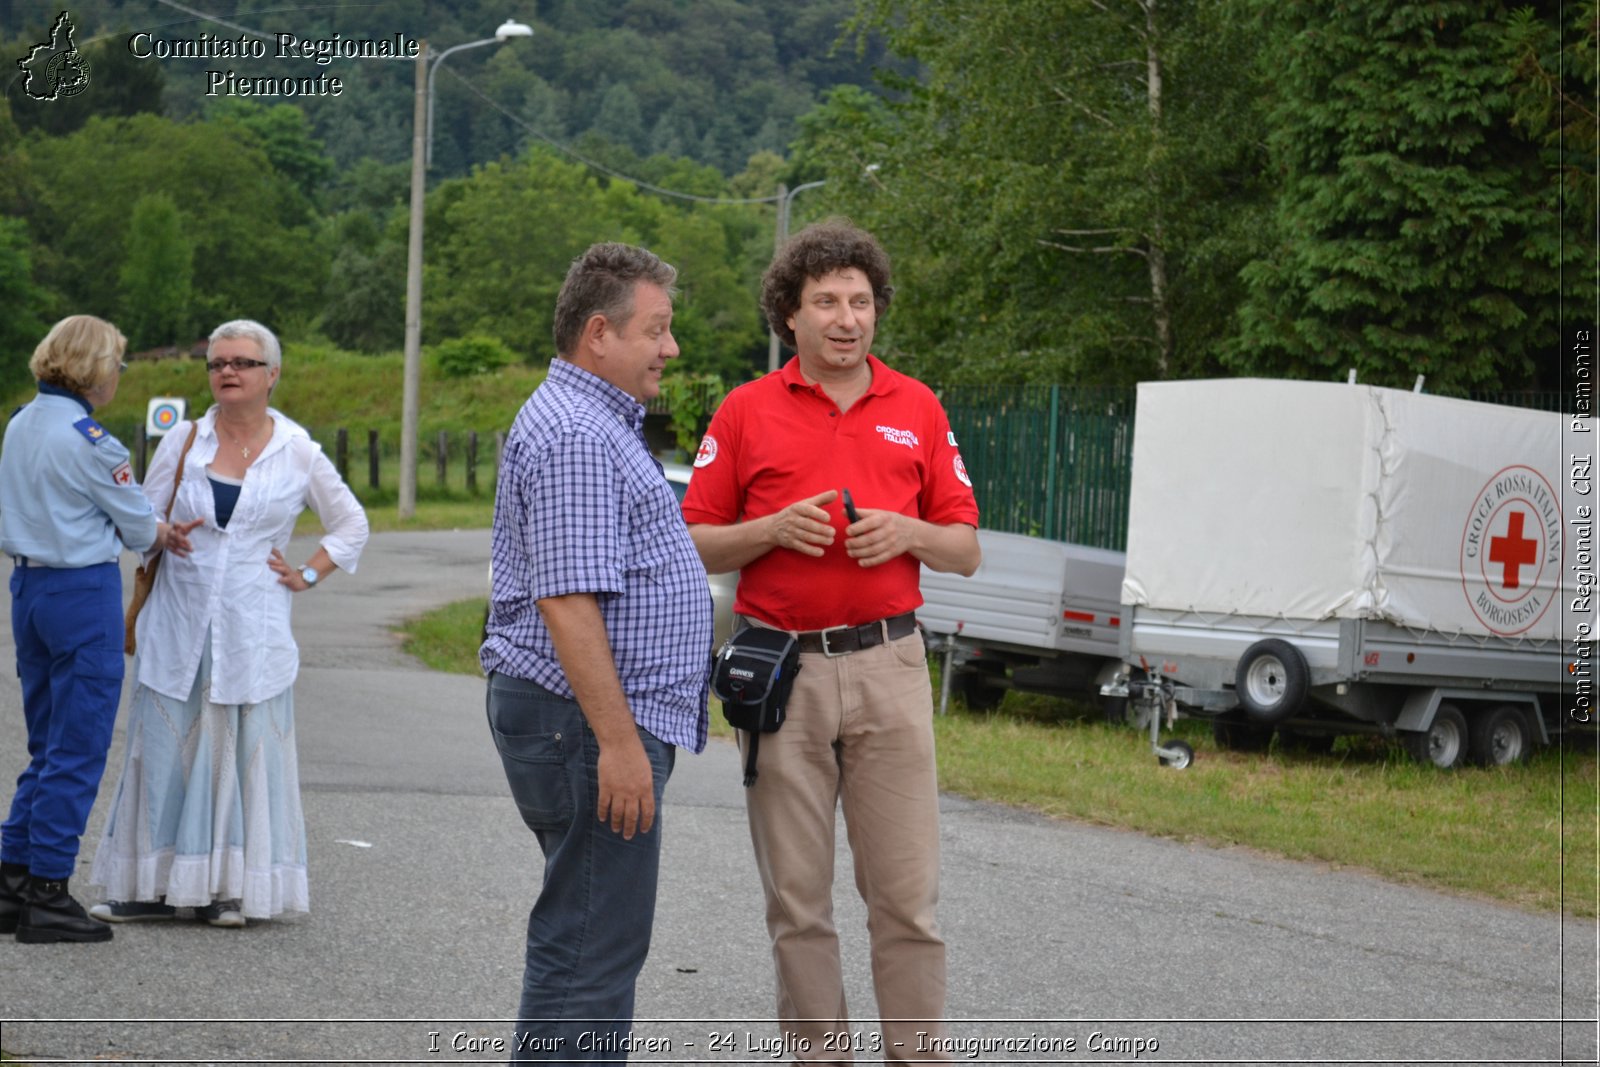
[(1311, 500)]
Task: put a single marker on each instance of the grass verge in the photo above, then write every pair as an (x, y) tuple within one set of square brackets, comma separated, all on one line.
[(1524, 836)]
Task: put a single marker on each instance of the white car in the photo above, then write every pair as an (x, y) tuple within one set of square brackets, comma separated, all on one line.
[(722, 585)]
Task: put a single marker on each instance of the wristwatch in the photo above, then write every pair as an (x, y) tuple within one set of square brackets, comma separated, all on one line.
[(310, 575)]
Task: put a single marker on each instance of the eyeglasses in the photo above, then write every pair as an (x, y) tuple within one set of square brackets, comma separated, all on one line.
[(122, 368), (217, 366)]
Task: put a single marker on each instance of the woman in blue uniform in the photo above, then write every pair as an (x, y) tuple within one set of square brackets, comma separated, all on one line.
[(68, 506)]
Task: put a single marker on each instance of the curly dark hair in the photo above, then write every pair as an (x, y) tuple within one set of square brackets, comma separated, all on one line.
[(601, 282), (822, 247)]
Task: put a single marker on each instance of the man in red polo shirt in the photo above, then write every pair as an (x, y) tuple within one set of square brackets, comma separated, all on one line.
[(766, 501)]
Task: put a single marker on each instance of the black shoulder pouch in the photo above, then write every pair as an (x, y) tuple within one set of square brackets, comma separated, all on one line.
[(752, 675)]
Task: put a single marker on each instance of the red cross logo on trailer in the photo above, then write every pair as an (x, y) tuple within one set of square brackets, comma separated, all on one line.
[(1511, 551)]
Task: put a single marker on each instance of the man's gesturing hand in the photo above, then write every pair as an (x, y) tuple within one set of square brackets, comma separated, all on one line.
[(803, 525)]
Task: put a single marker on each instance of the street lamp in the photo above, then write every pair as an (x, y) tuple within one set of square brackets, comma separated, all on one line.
[(785, 202), (508, 29), (421, 156)]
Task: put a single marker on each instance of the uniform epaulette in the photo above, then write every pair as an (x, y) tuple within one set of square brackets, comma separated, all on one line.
[(91, 429)]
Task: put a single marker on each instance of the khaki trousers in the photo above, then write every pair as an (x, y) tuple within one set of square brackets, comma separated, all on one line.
[(859, 732)]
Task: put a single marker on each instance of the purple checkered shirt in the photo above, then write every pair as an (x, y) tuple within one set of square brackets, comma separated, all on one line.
[(582, 507)]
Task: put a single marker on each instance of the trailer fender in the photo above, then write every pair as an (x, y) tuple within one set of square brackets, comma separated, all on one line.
[(1421, 705)]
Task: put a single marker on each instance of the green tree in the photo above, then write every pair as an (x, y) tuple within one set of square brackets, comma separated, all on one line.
[(1068, 189), (253, 253), (284, 133), (365, 308), (500, 243), (619, 118), (1553, 91), (16, 172), (157, 276), (23, 325), (1413, 230)]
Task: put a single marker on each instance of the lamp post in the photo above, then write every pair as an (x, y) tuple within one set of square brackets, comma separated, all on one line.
[(785, 202), (421, 157)]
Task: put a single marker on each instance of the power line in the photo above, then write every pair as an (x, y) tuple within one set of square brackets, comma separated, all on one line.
[(517, 119), (602, 168)]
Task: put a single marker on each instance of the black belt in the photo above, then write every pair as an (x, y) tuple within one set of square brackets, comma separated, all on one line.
[(841, 640)]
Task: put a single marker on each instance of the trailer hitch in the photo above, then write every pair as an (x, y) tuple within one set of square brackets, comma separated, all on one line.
[(1152, 698)]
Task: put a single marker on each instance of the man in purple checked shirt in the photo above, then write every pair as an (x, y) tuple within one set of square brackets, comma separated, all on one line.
[(595, 649)]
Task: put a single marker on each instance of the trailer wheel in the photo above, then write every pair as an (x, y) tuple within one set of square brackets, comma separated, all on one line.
[(1271, 680), (976, 692), (1115, 710), (1238, 736), (1444, 742), (1501, 737), (1182, 757)]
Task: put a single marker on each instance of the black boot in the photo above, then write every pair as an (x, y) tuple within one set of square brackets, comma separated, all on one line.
[(51, 915), (13, 880)]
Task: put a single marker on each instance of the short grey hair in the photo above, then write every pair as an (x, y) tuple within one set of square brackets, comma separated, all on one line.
[(601, 282), (253, 330)]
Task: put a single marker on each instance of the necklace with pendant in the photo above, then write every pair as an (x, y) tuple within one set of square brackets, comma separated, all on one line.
[(243, 451)]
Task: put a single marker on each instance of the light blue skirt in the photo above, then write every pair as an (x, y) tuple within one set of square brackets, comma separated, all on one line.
[(208, 807)]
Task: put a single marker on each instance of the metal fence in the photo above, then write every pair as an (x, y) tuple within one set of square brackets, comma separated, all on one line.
[(1047, 460)]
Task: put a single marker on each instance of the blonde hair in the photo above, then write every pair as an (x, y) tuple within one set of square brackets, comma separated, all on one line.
[(79, 353)]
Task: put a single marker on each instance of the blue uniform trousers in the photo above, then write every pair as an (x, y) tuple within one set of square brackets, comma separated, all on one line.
[(67, 624)]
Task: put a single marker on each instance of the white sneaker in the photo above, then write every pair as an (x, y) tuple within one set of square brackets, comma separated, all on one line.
[(131, 911)]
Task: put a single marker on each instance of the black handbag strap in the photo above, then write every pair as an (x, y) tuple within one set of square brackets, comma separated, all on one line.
[(750, 758)]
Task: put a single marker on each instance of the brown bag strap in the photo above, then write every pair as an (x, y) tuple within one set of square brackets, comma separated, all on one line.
[(177, 479)]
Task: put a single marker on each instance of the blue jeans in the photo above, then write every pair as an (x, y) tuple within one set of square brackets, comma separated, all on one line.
[(589, 931), (67, 623)]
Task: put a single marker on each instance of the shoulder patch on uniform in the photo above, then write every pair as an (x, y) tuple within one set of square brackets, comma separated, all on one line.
[(707, 453), (90, 429), (123, 474)]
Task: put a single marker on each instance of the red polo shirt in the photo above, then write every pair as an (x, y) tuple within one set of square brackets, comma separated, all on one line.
[(777, 440)]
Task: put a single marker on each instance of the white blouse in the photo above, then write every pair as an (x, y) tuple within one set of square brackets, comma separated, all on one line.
[(224, 587)]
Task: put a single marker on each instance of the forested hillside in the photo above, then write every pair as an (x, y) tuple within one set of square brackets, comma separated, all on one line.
[(163, 197), (1073, 191), (711, 80)]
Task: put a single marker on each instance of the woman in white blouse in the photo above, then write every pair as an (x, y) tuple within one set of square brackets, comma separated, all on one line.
[(207, 814)]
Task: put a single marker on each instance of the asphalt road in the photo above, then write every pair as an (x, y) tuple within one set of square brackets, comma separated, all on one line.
[(1067, 942)]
